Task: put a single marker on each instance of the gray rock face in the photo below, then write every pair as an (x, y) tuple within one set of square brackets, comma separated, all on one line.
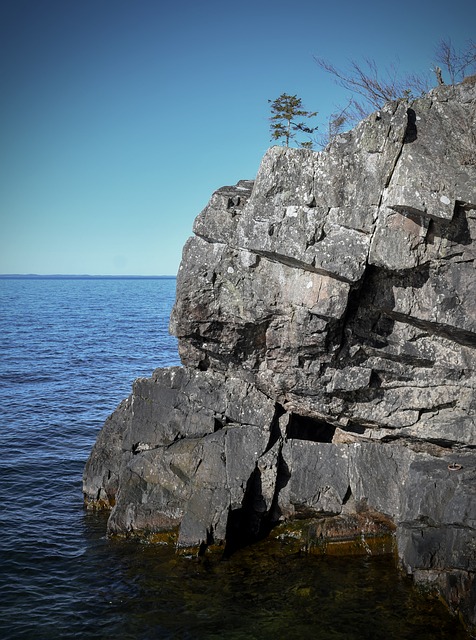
[(326, 317)]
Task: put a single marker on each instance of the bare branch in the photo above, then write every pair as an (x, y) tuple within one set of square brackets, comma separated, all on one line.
[(375, 89), (336, 124), (456, 63)]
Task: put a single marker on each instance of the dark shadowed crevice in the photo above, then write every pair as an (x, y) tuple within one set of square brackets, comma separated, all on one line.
[(283, 476), (411, 132), (275, 431), (450, 332), (253, 521), (206, 543), (348, 495), (204, 363), (339, 334), (217, 425), (370, 319), (244, 525), (220, 421), (419, 444), (353, 428), (306, 428)]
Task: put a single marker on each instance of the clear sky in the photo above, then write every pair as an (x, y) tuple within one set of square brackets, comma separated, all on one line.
[(119, 118)]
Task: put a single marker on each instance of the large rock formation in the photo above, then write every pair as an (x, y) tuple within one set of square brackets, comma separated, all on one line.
[(326, 317)]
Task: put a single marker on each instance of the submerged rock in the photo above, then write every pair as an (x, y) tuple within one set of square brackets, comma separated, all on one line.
[(326, 318)]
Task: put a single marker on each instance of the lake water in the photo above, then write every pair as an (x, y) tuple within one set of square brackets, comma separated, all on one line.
[(69, 351)]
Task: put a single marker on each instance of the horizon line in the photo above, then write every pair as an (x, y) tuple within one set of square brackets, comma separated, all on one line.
[(81, 275)]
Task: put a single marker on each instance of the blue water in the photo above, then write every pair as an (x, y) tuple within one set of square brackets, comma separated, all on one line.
[(69, 352)]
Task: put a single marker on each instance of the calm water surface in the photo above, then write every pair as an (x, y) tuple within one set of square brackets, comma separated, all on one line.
[(69, 352)]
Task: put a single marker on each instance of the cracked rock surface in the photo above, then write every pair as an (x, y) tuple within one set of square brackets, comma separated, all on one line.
[(326, 318)]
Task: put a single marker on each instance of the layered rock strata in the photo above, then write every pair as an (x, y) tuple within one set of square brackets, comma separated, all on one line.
[(326, 318)]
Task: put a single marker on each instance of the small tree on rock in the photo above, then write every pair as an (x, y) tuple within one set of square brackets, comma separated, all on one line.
[(286, 120)]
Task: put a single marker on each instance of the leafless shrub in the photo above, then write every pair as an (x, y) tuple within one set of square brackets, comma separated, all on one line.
[(370, 88), (456, 63), (336, 124)]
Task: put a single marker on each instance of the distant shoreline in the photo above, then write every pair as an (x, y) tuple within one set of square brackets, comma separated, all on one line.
[(33, 276)]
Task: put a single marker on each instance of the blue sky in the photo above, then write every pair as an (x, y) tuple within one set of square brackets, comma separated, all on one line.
[(119, 118)]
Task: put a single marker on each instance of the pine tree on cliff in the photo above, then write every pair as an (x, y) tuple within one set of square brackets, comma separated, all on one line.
[(286, 120)]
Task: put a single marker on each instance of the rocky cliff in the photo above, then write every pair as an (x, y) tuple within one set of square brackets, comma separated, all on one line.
[(326, 318)]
